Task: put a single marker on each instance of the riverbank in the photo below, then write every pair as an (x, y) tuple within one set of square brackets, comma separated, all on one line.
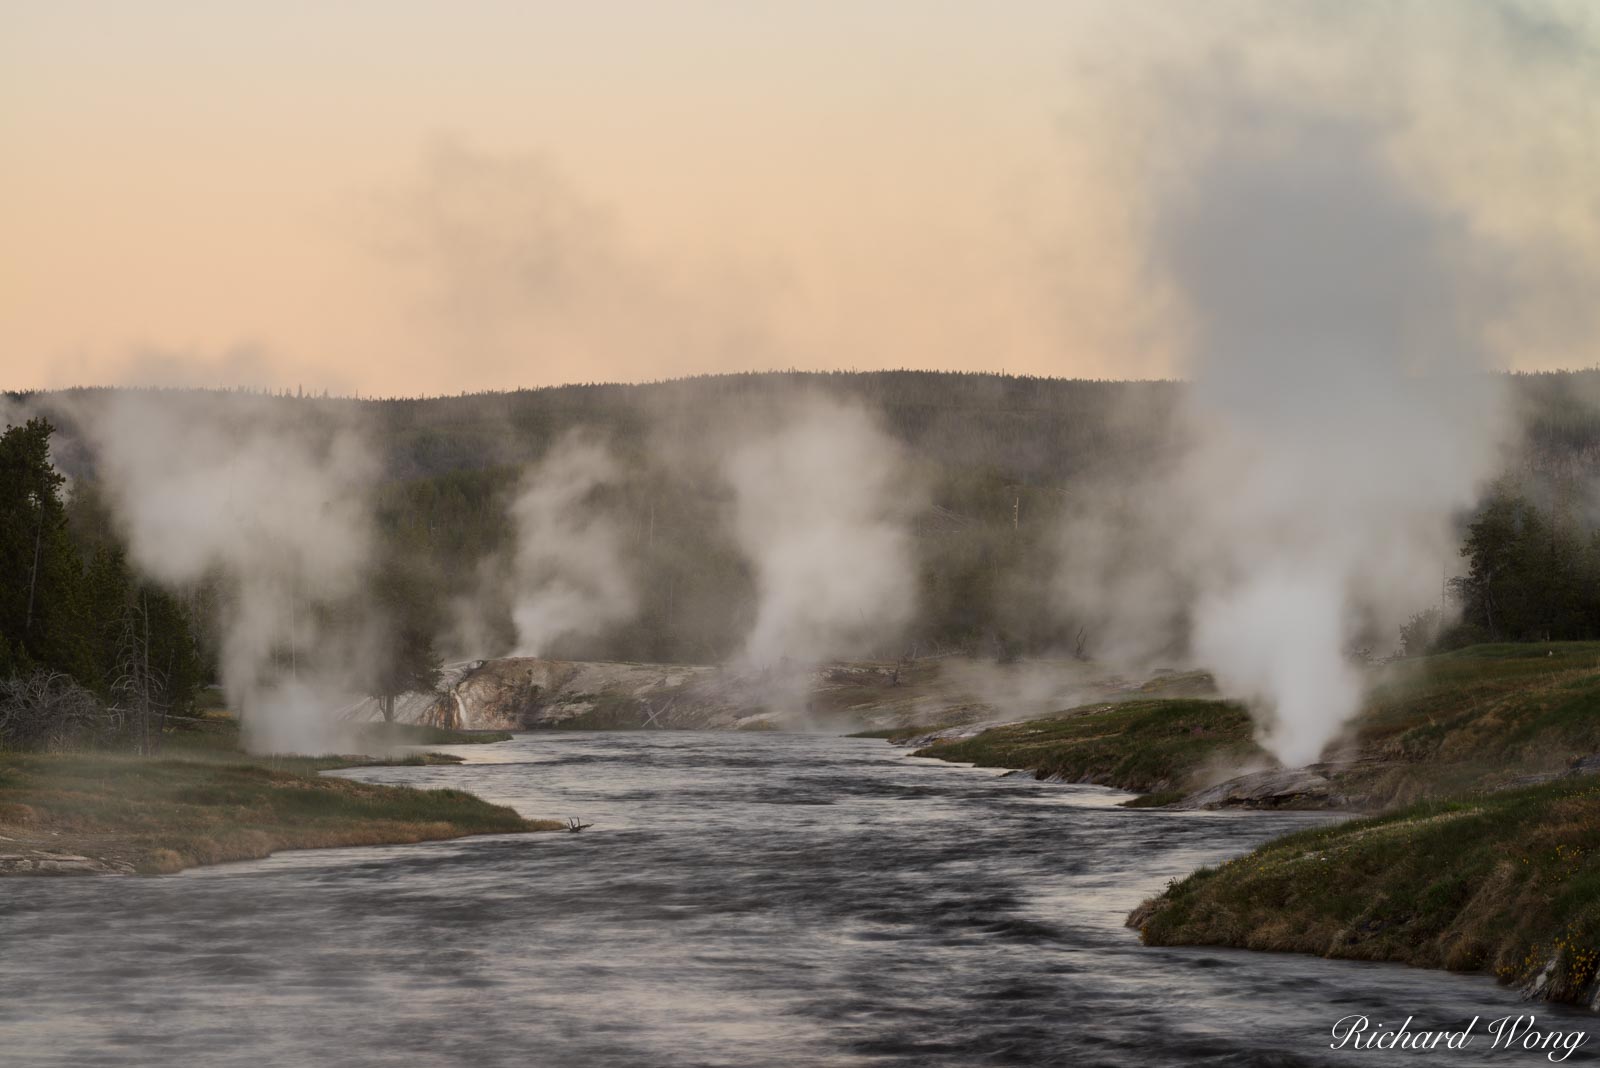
[(1156, 748), (1484, 855), (1486, 718), (1506, 883), (204, 801), (761, 899)]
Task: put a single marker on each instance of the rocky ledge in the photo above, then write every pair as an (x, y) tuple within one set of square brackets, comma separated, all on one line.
[(1298, 788), (42, 862)]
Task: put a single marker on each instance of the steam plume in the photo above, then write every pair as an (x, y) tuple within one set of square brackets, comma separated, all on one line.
[(237, 486), (822, 501), (570, 574), (1343, 415), (1339, 421)]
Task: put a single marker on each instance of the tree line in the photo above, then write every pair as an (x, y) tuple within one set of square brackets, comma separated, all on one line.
[(1002, 457), (89, 652), (1532, 574)]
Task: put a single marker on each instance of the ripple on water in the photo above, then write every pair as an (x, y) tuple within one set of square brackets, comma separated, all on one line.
[(744, 900)]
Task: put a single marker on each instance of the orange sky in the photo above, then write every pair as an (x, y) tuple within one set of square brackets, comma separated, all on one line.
[(422, 197)]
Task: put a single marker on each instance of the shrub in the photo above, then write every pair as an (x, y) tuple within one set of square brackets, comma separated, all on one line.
[(48, 710)]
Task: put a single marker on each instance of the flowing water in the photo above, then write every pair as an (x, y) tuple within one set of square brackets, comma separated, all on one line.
[(743, 900)]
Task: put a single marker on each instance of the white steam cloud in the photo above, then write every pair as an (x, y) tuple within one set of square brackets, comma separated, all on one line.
[(822, 501), (1335, 274), (571, 577), (1343, 416), (236, 486), (1338, 422)]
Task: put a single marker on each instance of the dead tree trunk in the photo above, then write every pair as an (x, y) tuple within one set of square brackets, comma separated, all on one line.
[(33, 578)]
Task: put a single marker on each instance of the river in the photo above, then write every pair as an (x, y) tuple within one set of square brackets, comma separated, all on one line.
[(743, 900)]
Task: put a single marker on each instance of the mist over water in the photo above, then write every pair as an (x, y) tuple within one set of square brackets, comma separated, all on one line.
[(1332, 222), (743, 900)]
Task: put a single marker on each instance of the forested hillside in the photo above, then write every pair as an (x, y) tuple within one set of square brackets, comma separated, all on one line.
[(88, 651), (1000, 458), (995, 455)]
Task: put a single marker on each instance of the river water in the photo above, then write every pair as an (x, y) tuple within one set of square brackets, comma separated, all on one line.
[(743, 900)]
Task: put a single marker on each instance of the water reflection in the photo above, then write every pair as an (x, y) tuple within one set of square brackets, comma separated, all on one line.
[(744, 900)]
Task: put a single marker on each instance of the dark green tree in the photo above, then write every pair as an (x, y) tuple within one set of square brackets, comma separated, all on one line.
[(406, 660), (42, 615), (124, 643)]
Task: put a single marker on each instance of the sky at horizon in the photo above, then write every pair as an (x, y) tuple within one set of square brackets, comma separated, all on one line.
[(408, 198)]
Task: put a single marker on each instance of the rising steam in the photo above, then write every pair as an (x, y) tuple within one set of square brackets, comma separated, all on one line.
[(1336, 427), (1343, 415), (571, 577), (822, 501), (237, 487)]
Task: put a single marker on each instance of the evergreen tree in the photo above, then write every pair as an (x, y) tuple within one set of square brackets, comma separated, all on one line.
[(42, 616), (406, 660), (127, 646)]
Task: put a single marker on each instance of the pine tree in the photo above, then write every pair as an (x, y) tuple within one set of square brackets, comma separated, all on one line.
[(42, 614), (406, 661)]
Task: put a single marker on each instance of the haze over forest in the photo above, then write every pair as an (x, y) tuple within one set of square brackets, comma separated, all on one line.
[(993, 480), (907, 481), (1336, 248)]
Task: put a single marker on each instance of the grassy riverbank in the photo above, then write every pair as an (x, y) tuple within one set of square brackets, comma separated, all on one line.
[(1159, 748), (1486, 854), (1505, 882), (203, 801), (1485, 718)]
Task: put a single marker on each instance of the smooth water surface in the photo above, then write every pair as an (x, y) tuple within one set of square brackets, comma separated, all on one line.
[(744, 900)]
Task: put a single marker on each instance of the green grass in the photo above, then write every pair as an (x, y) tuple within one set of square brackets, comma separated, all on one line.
[(1153, 747), (1464, 870), (1474, 719), (215, 737), (202, 801), (1506, 882)]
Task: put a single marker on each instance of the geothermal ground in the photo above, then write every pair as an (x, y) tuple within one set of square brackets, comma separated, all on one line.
[(530, 693)]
